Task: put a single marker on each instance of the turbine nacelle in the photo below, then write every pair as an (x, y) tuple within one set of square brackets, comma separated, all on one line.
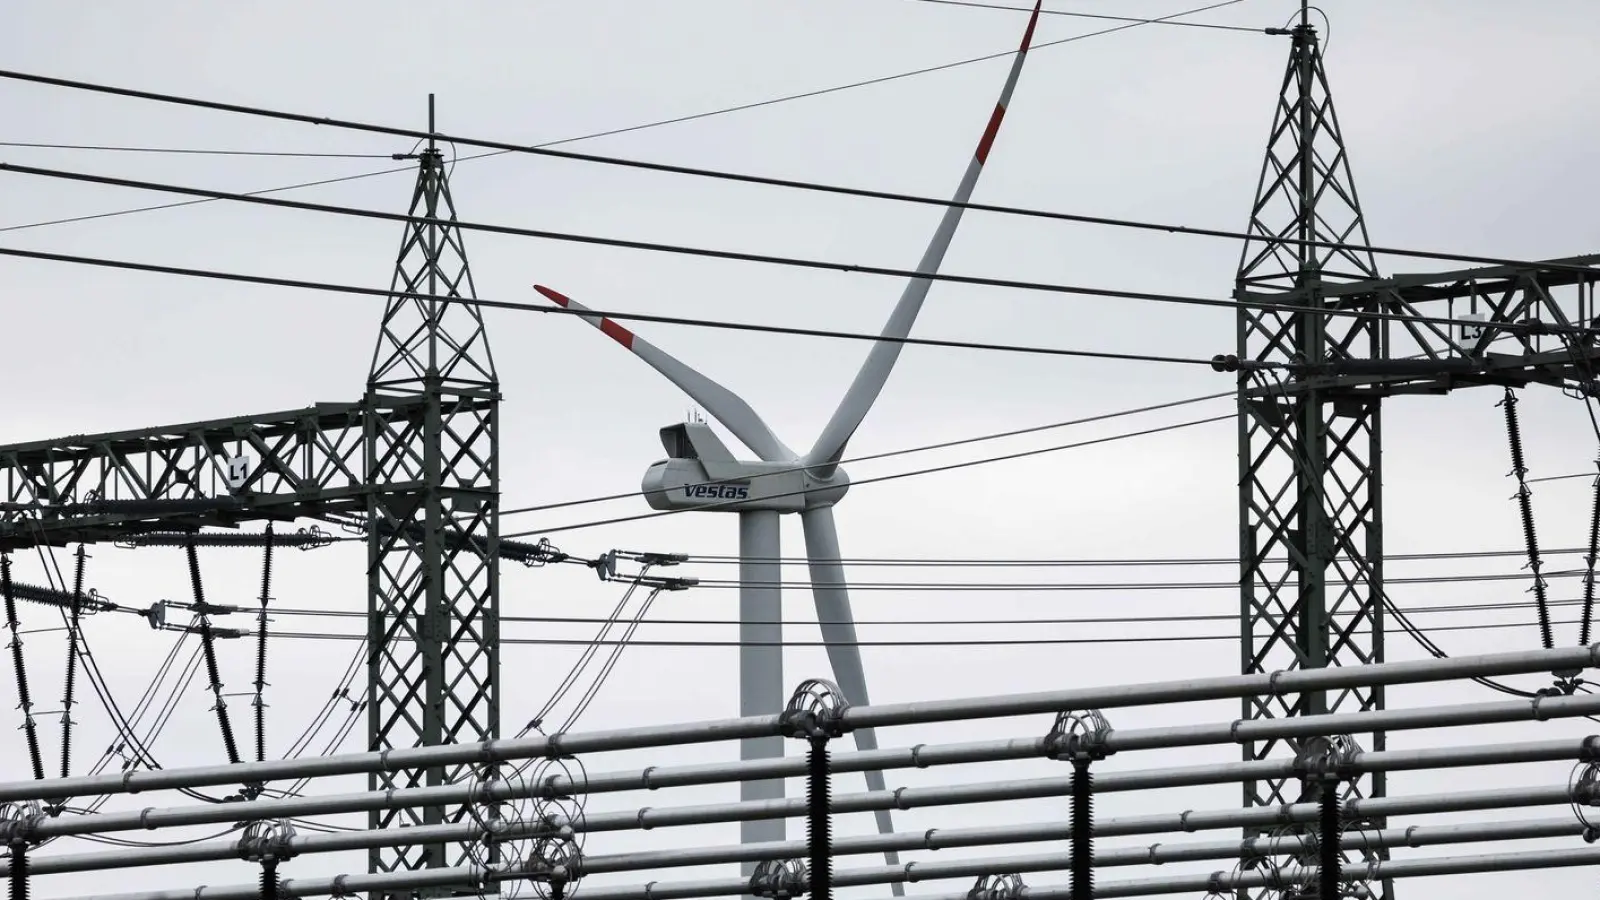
[(701, 474)]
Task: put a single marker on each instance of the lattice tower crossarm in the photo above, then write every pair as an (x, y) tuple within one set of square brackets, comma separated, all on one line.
[(1310, 499), (432, 460)]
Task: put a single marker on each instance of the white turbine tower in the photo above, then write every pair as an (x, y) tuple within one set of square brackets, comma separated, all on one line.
[(701, 474)]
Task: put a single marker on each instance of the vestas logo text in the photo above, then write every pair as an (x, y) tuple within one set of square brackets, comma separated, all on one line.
[(717, 491)]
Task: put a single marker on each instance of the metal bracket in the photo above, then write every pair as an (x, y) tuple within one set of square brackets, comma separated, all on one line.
[(1078, 736), (779, 879), (816, 709)]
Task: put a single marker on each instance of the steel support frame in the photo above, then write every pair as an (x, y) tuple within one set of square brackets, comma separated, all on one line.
[(1310, 391), (432, 456), (1310, 479), (223, 472), (418, 456)]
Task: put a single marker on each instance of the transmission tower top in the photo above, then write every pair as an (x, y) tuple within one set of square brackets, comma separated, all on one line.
[(429, 337)]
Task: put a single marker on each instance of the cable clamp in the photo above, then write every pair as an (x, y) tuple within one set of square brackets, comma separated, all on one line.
[(1079, 736), (19, 822), (816, 709), (779, 879), (268, 840)]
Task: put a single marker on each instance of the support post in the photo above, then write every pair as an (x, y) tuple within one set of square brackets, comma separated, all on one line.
[(1081, 739), (431, 444), (18, 833), (813, 714), (1310, 482), (268, 843), (760, 661), (1326, 764)]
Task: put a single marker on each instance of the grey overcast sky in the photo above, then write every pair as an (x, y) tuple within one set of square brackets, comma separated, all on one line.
[(1466, 123)]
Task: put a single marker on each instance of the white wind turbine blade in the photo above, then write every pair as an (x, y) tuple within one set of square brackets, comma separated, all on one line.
[(881, 358), (727, 407), (839, 637)]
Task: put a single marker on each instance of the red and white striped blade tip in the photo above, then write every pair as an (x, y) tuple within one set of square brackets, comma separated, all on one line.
[(1033, 20), (553, 296), (611, 329)]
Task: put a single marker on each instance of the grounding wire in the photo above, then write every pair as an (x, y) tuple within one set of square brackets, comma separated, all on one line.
[(628, 129), (708, 253)]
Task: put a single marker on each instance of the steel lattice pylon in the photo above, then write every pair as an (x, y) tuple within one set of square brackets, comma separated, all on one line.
[(1309, 482), (433, 517)]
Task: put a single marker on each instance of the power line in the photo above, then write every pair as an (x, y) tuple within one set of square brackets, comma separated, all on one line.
[(946, 562), (974, 642), (659, 123), (1084, 15), (1087, 620), (195, 151), (721, 504), (330, 287), (546, 150), (1064, 586), (703, 252), (942, 445), (890, 477)]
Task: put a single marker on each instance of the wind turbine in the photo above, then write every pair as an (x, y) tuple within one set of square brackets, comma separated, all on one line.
[(700, 473)]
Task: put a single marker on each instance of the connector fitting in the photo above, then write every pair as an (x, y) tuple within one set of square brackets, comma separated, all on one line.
[(1330, 757), (815, 710), (1079, 735), (998, 886), (779, 879), (19, 822), (270, 840)]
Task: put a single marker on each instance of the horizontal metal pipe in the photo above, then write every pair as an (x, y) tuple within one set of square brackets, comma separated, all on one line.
[(1274, 684), (1214, 881), (1119, 856), (1222, 881), (1143, 779), (931, 839), (902, 798), (1281, 683), (967, 868), (921, 756), (1152, 854)]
